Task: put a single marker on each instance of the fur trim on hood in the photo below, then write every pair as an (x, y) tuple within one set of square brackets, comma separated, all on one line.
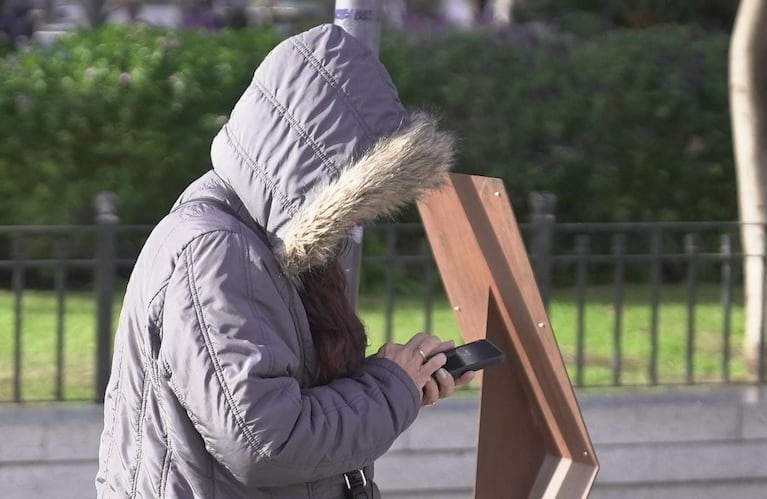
[(320, 142), (396, 171)]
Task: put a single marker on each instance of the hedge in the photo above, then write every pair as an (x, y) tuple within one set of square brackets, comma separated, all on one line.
[(627, 125), (633, 125), (129, 110), (710, 14)]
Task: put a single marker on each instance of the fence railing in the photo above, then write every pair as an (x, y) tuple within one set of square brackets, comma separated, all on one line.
[(691, 265), (631, 304)]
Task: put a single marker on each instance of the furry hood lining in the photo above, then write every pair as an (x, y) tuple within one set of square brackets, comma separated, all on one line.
[(395, 172)]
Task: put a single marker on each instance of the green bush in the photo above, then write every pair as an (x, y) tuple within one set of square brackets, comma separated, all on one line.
[(632, 125), (709, 14), (131, 110), (627, 125)]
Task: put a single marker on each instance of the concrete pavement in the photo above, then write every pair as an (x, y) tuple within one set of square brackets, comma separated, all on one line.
[(693, 443)]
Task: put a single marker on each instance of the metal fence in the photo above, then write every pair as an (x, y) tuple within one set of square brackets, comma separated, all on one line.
[(607, 287)]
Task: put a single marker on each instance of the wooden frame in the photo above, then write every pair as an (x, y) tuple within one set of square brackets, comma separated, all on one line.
[(533, 442)]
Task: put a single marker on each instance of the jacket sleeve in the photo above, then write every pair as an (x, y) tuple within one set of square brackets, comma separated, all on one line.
[(230, 349)]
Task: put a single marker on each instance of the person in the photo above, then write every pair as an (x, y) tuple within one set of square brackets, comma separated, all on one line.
[(203, 16), (17, 22), (239, 367)]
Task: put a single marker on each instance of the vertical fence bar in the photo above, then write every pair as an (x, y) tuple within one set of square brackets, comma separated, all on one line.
[(428, 284), (725, 248), (581, 281), (619, 252), (542, 222), (17, 251), (391, 250), (655, 251), (106, 267), (760, 362), (691, 250), (61, 286)]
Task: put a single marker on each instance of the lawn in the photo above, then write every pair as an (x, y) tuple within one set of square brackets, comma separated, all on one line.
[(38, 346), (635, 320), (39, 338)]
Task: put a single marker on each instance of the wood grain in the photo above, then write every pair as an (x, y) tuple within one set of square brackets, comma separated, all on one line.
[(533, 442)]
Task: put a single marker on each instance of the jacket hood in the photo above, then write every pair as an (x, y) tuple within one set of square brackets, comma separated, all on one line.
[(319, 142)]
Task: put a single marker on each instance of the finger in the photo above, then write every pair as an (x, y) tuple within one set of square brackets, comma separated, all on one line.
[(465, 378), (422, 345), (430, 392), (430, 345), (416, 340), (434, 363), (418, 346), (385, 349), (445, 382), (444, 346)]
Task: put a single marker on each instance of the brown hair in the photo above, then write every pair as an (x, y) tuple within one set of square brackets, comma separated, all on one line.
[(338, 334)]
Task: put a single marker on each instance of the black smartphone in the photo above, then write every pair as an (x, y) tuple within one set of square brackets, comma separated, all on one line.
[(472, 357)]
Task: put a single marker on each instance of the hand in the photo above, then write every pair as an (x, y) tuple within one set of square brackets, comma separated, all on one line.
[(421, 359), (444, 384)]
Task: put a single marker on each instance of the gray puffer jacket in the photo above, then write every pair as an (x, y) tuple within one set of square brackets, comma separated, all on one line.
[(212, 392)]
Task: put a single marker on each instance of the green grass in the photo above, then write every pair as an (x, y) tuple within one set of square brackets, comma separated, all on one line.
[(39, 345), (39, 337), (599, 319), (672, 330)]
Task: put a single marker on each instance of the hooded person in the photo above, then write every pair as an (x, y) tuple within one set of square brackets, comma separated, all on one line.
[(239, 368)]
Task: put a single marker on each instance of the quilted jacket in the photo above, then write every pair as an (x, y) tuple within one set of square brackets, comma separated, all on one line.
[(212, 392)]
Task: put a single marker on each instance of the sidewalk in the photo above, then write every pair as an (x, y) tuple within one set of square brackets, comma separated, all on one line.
[(696, 444)]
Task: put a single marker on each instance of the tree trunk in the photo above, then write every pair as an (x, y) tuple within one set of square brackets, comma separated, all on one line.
[(748, 107), (94, 11), (503, 11)]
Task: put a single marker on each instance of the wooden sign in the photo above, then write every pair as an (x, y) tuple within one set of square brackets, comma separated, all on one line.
[(533, 442)]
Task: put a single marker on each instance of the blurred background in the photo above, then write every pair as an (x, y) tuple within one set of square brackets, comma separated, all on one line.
[(613, 105)]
